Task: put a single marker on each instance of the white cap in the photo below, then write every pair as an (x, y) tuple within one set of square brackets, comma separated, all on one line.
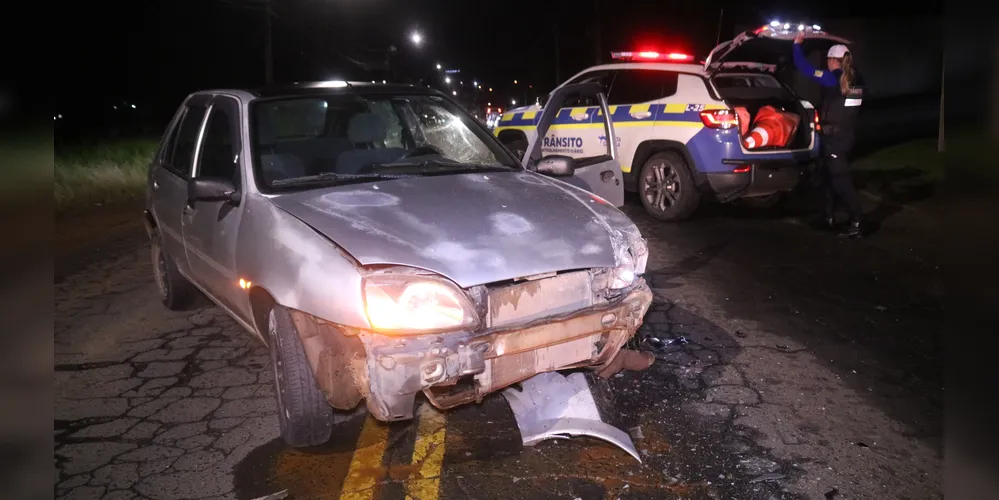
[(837, 51)]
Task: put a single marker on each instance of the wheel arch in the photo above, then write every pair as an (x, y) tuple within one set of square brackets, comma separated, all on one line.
[(261, 302), (650, 147)]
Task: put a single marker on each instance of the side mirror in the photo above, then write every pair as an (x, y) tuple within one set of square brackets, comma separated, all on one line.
[(212, 189), (556, 166)]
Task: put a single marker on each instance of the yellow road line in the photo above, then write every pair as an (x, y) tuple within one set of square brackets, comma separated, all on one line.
[(428, 455), (366, 464)]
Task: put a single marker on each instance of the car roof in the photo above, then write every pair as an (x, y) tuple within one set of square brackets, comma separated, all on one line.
[(322, 88), (682, 68)]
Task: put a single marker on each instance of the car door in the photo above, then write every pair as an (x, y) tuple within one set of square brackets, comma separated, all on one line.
[(635, 102), (576, 131), (210, 227), (170, 173), (600, 173)]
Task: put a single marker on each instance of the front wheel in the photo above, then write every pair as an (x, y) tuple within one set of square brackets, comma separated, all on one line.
[(306, 417), (666, 187), (176, 292)]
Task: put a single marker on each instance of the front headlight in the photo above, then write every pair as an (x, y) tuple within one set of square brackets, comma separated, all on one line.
[(622, 277), (416, 304), (633, 264)]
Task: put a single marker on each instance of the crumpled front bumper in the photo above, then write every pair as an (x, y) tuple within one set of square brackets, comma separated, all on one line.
[(457, 368)]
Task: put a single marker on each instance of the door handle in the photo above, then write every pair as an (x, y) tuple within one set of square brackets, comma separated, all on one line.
[(581, 117), (641, 114)]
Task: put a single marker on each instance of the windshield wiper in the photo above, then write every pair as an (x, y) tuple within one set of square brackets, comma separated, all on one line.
[(443, 166), (335, 178)]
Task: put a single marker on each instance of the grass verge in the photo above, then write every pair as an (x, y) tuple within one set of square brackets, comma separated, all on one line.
[(104, 173)]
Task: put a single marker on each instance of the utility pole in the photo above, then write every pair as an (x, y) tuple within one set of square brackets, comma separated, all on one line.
[(268, 45), (596, 31), (558, 77), (720, 16), (940, 132)]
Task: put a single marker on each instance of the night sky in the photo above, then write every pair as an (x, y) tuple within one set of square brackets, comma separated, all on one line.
[(153, 52)]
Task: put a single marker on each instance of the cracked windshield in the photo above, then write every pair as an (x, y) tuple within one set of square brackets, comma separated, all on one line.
[(355, 135)]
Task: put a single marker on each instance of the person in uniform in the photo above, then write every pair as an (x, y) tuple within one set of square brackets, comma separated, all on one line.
[(842, 91)]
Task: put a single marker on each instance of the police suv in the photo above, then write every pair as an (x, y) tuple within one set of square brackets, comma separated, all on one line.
[(676, 129)]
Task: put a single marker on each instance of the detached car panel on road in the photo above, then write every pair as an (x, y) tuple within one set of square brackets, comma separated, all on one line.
[(383, 244)]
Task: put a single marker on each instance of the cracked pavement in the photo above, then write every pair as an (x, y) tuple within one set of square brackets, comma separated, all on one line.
[(811, 370)]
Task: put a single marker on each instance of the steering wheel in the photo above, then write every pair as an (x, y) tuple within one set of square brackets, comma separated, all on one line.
[(422, 151)]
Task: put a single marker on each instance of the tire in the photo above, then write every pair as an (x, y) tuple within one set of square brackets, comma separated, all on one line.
[(518, 146), (667, 172), (176, 292), (305, 416)]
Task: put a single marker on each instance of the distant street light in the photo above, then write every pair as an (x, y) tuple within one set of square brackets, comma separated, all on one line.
[(513, 102), (454, 92), (416, 38), (438, 66), (447, 79), (475, 84)]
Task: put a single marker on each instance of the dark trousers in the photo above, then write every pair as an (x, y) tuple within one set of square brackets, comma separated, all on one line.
[(834, 169)]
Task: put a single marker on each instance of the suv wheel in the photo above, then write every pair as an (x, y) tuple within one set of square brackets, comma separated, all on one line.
[(519, 147), (666, 187), (306, 417), (175, 291)]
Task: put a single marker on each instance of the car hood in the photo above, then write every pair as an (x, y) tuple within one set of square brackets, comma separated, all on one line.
[(473, 228)]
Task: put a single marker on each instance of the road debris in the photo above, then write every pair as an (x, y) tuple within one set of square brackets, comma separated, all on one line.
[(553, 406), (659, 343), (274, 496), (770, 476)]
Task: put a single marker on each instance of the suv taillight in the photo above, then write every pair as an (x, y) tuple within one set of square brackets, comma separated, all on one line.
[(818, 126), (719, 118)]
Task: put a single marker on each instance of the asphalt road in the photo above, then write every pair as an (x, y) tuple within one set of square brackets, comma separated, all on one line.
[(812, 370)]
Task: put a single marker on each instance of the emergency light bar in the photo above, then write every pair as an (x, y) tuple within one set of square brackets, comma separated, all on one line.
[(776, 27), (649, 55)]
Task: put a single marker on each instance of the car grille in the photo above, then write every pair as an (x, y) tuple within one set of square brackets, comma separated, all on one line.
[(530, 300)]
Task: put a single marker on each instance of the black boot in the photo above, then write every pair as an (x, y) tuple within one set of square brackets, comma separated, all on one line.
[(825, 223), (852, 230)]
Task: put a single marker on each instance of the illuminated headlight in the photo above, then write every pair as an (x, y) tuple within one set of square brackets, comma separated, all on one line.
[(411, 304)]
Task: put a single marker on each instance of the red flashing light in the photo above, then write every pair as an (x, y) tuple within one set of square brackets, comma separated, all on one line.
[(651, 55), (719, 118), (818, 126)]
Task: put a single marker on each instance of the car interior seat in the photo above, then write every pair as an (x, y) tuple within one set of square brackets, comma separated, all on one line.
[(366, 132)]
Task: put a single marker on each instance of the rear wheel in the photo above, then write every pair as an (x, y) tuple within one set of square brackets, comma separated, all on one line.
[(176, 292), (306, 417), (666, 187)]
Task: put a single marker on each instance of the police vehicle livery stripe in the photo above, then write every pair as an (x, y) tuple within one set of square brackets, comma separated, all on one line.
[(679, 114)]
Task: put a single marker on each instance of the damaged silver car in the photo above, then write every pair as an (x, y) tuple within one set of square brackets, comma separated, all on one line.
[(382, 243)]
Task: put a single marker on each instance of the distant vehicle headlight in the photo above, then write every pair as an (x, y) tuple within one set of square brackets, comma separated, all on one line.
[(416, 304)]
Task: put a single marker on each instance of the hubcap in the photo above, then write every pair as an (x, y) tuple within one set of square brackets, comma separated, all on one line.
[(159, 262), (662, 187)]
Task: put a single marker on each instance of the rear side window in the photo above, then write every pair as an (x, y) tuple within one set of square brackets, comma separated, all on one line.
[(605, 78), (634, 86), (749, 87), (180, 160)]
